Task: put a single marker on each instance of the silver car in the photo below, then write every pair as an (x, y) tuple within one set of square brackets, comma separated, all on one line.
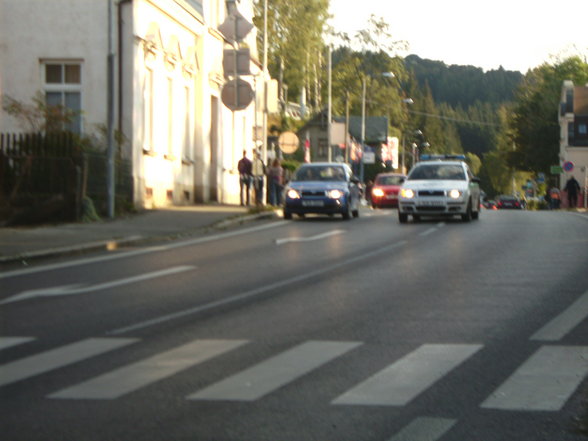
[(440, 186)]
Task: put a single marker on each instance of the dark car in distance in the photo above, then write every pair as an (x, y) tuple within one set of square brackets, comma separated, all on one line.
[(323, 188), (508, 201), (385, 190)]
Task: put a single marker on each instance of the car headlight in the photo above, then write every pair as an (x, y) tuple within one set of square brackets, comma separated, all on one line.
[(293, 194), (454, 194), (378, 192), (407, 193), (335, 194)]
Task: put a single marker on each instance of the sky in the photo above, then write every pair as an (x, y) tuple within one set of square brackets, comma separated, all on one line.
[(515, 34)]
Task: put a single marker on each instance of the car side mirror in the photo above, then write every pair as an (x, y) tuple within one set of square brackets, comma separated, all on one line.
[(355, 180), (476, 180)]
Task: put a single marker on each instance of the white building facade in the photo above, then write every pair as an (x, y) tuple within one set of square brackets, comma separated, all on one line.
[(184, 144), (573, 148)]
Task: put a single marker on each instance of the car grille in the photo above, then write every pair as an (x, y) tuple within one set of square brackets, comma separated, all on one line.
[(312, 193), (431, 193)]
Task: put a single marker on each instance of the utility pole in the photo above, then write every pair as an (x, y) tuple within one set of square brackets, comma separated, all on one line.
[(329, 109), (110, 172)]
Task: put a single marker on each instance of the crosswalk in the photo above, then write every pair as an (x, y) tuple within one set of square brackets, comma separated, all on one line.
[(543, 382)]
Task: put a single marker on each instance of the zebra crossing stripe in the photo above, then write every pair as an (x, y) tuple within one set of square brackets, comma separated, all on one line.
[(56, 358), (544, 382), (424, 429), (137, 375), (7, 342), (557, 328), (402, 381), (265, 377)]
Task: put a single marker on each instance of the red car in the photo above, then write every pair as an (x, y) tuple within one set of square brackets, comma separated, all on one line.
[(385, 190)]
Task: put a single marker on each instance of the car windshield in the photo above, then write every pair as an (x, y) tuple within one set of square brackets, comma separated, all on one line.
[(389, 180), (320, 173), (437, 171)]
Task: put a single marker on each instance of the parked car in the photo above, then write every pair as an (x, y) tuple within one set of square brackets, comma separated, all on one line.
[(322, 188), (490, 204), (440, 185), (509, 201), (385, 190)]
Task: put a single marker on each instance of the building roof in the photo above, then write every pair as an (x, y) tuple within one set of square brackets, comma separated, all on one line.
[(376, 128)]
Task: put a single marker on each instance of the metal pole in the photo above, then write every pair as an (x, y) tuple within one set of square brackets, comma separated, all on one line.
[(329, 111), (361, 165), (402, 154), (264, 69), (110, 178)]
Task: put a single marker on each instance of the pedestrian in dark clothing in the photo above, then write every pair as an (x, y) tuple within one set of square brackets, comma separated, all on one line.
[(258, 171), (572, 187), (275, 182), (244, 167)]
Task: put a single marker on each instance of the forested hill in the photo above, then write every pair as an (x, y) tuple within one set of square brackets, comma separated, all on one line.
[(463, 86)]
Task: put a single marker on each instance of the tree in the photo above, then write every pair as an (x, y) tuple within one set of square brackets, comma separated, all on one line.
[(295, 41), (534, 120)]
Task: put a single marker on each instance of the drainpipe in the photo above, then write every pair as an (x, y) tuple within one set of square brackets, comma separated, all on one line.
[(120, 60)]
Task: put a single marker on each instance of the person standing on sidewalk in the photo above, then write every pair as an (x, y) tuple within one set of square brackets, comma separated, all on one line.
[(244, 167), (554, 198), (258, 172), (572, 187), (275, 179)]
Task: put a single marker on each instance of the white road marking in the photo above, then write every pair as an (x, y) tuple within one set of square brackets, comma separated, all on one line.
[(427, 232), (405, 379), (309, 239), (544, 382), (424, 429), (56, 358), (122, 255), (557, 328), (137, 375), (254, 292), (432, 230), (274, 373), (79, 289), (7, 342)]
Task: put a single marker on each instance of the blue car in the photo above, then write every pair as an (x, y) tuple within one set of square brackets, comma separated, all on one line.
[(322, 188)]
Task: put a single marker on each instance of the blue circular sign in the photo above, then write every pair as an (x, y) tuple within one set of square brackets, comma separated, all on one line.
[(568, 166)]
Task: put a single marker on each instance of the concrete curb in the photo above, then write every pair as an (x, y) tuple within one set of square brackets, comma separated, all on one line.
[(115, 243)]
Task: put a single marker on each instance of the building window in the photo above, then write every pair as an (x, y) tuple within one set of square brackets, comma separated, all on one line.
[(170, 119), (582, 129), (148, 111), (63, 90), (186, 153)]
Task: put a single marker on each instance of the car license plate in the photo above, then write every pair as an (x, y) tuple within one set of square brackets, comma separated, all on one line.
[(313, 203), (391, 196), (428, 203)]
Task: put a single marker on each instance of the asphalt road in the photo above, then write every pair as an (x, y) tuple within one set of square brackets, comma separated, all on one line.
[(316, 329)]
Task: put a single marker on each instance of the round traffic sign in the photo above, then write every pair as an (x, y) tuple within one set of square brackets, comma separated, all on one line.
[(568, 166), (288, 142)]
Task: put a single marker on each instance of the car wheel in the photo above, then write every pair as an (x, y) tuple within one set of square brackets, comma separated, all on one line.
[(467, 216), (416, 218), (402, 218), (355, 212), (287, 215)]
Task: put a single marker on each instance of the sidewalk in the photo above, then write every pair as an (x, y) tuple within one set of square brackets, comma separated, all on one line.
[(26, 243)]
